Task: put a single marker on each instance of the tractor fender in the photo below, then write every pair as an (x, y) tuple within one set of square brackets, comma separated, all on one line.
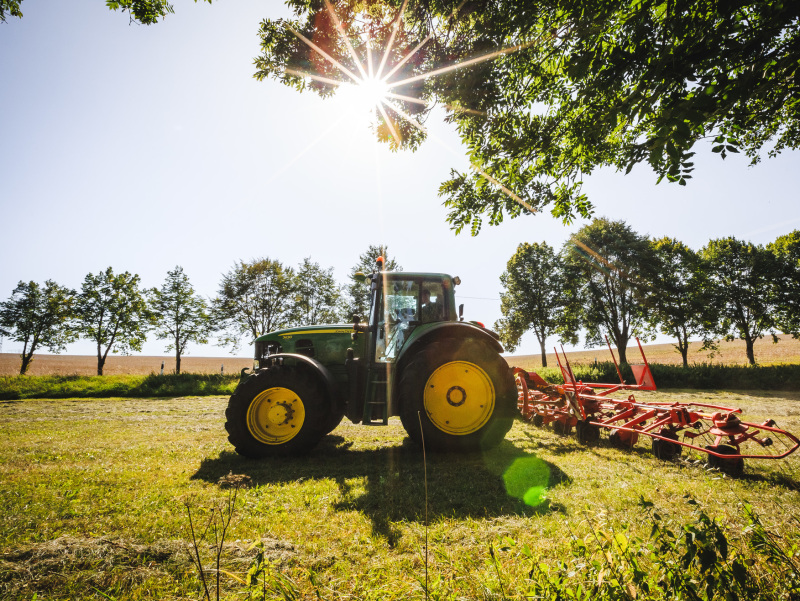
[(315, 367), (445, 329)]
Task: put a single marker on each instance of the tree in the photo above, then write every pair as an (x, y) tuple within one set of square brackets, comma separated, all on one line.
[(316, 295), (608, 268), (145, 12), (254, 298), (534, 283), (358, 292), (180, 315), (11, 7), (741, 283), (678, 300), (786, 250), (554, 90), (112, 311), (38, 317)]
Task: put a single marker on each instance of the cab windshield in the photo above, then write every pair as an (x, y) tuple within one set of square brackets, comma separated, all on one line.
[(406, 304)]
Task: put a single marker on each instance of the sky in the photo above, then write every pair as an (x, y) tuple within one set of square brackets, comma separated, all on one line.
[(146, 147)]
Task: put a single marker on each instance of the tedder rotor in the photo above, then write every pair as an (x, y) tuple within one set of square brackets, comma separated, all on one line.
[(714, 430)]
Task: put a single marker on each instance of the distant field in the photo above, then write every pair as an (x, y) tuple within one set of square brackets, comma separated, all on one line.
[(86, 365), (731, 353), (787, 350)]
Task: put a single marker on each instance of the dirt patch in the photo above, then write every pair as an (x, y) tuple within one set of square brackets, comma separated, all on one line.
[(107, 562)]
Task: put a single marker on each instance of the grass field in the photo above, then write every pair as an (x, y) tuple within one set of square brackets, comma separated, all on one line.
[(94, 494), (731, 353)]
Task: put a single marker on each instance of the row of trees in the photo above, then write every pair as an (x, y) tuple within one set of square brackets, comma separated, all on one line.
[(114, 312), (610, 280)]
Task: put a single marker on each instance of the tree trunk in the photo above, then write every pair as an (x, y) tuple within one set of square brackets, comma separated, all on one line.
[(685, 355), (622, 347), (177, 362), (26, 361), (751, 358), (544, 353)]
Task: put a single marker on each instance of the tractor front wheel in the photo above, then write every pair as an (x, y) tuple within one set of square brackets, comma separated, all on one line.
[(277, 412), (462, 392)]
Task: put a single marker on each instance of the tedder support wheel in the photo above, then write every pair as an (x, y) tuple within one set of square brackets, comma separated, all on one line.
[(732, 467), (664, 449), (587, 433), (278, 412), (464, 393)]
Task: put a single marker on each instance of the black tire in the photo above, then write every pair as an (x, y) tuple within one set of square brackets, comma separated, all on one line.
[(587, 433), (265, 411), (561, 428), (334, 419), (732, 467), (665, 450), (463, 391), (538, 420)]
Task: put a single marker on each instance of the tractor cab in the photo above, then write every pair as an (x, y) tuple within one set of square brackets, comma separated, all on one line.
[(401, 303)]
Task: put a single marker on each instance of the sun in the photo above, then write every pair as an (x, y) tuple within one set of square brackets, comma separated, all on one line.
[(364, 96)]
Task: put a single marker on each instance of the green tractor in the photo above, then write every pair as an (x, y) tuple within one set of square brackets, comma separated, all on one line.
[(416, 358)]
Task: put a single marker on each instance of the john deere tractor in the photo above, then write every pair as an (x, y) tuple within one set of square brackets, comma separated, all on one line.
[(414, 358)]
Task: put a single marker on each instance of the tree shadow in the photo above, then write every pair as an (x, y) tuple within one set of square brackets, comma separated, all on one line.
[(388, 484)]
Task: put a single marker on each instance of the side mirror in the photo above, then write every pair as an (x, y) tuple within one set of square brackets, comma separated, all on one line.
[(461, 312)]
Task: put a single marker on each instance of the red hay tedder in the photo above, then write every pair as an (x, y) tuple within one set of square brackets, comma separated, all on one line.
[(587, 407)]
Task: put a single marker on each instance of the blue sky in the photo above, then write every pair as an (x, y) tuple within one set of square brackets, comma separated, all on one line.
[(143, 148)]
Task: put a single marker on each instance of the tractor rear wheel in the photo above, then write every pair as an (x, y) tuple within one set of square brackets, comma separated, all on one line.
[(278, 412), (462, 392)]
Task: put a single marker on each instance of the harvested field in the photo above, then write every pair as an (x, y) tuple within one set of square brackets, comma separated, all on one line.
[(86, 365), (786, 351), (731, 353)]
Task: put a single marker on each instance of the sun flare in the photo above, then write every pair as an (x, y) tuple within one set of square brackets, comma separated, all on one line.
[(365, 95)]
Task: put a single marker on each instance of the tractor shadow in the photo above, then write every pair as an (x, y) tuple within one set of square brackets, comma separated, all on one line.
[(388, 484)]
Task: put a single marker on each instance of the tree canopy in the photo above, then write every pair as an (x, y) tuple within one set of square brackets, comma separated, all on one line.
[(742, 279), (254, 298), (38, 317), (112, 311), (678, 299), (180, 315), (357, 291), (546, 92), (609, 269), (534, 285)]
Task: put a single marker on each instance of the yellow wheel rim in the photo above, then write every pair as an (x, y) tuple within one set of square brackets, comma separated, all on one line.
[(459, 398), (275, 416)]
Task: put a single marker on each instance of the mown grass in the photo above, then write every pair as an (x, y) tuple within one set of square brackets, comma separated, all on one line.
[(95, 493), (153, 385)]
